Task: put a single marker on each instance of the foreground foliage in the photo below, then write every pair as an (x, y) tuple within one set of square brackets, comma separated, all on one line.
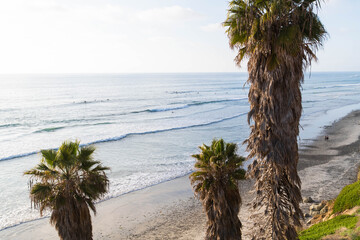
[(280, 39), (322, 229), (348, 198), (68, 182), (215, 182)]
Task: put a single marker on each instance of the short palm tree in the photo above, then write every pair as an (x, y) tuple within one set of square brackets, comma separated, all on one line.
[(280, 39), (215, 182), (68, 182)]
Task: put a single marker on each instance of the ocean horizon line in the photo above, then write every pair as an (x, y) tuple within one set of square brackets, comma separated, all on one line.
[(156, 73)]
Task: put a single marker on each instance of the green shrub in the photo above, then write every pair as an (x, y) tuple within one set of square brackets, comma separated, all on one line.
[(355, 238), (349, 197), (322, 229)]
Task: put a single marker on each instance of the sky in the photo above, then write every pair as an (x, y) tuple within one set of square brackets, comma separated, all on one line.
[(137, 36)]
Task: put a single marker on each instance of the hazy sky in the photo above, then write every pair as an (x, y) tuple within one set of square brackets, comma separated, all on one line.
[(122, 36)]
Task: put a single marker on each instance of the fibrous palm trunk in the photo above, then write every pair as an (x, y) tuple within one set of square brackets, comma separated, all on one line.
[(275, 107), (73, 221), (222, 209)]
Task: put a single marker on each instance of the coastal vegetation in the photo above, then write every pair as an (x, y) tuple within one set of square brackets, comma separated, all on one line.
[(329, 227), (341, 221), (280, 39), (215, 183), (67, 183), (348, 198)]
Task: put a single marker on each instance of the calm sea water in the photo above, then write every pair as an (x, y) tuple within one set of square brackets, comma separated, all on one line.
[(144, 126)]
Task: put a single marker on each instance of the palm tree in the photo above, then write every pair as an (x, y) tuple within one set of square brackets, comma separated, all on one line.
[(68, 182), (280, 39), (215, 182)]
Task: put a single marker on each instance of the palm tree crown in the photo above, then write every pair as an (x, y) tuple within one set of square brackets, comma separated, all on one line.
[(280, 39), (215, 182), (279, 29), (68, 182)]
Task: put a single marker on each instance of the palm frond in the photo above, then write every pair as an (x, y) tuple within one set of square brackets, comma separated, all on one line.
[(49, 156)]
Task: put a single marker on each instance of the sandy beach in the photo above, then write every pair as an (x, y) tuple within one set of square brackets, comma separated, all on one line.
[(170, 211)]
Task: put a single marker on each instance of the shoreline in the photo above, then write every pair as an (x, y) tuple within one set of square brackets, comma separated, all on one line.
[(326, 166), (169, 210)]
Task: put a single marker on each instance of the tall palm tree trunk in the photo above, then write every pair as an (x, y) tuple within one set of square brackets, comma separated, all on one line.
[(280, 38), (275, 107)]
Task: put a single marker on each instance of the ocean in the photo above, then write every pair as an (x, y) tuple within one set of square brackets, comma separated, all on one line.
[(144, 126)]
